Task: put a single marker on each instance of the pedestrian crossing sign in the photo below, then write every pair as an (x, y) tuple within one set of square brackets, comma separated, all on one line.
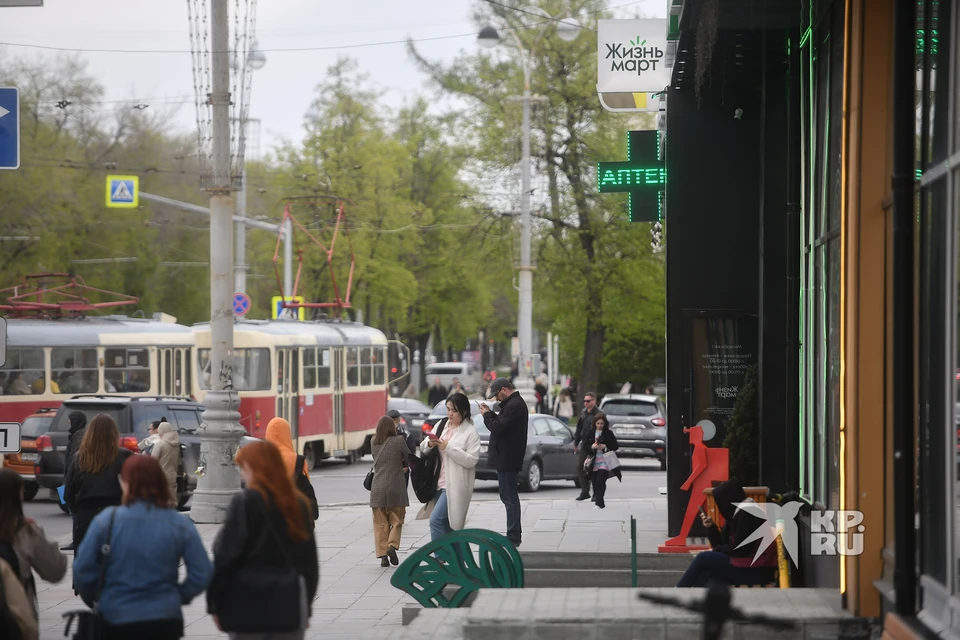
[(123, 192), (278, 309)]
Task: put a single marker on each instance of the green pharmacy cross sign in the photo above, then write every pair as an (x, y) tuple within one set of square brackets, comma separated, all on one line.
[(643, 176)]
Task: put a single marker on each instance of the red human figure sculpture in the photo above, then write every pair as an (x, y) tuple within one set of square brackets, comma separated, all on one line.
[(709, 466)]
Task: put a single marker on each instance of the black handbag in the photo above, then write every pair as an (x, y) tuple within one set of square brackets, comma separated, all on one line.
[(261, 599), (368, 479), (90, 624), (425, 471)]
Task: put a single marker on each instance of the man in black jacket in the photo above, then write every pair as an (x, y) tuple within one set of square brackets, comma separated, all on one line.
[(583, 439), (508, 443), (438, 393), (78, 427)]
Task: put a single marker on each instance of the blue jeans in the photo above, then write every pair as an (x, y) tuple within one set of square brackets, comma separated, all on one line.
[(511, 500), (439, 523), (714, 566)]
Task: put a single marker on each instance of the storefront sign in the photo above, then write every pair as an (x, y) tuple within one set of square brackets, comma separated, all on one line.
[(643, 176), (631, 56)]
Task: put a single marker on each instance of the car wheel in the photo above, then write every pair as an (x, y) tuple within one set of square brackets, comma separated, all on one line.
[(531, 479), (310, 456), (663, 464), (30, 491)]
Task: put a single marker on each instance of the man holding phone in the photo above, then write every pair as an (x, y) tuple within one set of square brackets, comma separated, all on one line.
[(508, 443)]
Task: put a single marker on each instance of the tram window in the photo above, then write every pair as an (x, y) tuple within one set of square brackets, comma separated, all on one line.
[(366, 373), (353, 367), (251, 369), (127, 370), (22, 373), (75, 370), (379, 357), (323, 368), (309, 368), (316, 368)]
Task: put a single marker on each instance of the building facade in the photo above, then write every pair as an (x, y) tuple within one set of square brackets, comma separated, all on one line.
[(840, 195)]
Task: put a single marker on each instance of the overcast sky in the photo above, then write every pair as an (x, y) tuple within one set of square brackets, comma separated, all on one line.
[(284, 88)]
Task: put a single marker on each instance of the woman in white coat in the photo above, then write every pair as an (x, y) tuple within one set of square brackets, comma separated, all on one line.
[(459, 447)]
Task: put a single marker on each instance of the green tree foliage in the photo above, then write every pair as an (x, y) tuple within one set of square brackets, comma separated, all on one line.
[(743, 432), (423, 264), (598, 284), (52, 210)]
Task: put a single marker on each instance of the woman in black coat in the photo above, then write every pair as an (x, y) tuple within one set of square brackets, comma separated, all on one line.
[(603, 465), (92, 482)]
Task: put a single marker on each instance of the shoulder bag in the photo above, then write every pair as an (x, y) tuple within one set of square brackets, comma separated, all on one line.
[(368, 479), (261, 598), (425, 471), (90, 625)]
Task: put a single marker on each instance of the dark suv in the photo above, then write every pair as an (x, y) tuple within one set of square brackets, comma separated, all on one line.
[(133, 414), (639, 422)]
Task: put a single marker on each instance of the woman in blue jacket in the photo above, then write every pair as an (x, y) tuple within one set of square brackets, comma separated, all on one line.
[(142, 595)]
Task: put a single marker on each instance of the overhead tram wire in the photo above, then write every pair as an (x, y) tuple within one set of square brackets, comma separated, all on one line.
[(358, 45)]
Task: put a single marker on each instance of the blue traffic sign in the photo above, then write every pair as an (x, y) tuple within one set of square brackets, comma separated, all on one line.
[(9, 128), (241, 304)]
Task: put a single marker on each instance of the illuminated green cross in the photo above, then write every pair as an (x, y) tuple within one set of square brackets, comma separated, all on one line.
[(643, 176)]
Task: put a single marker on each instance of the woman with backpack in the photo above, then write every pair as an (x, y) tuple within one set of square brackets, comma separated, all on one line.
[(265, 572), (23, 549), (278, 432), (388, 491), (142, 593)]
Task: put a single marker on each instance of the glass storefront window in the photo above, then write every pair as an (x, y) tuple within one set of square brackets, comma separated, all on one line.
[(22, 373), (75, 370)]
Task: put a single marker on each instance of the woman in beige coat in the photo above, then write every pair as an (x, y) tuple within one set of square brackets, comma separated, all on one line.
[(34, 552), (459, 447), (388, 492), (167, 452)]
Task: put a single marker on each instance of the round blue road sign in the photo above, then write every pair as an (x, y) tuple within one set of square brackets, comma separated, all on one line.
[(241, 304)]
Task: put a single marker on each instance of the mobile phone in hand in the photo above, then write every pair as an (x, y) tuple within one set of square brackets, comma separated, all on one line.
[(432, 435)]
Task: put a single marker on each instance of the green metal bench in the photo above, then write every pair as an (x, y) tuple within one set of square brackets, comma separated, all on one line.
[(470, 559)]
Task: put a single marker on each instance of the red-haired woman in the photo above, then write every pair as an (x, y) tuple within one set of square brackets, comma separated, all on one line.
[(142, 593), (265, 570)]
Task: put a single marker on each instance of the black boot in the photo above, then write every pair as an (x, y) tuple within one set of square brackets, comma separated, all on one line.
[(583, 496), (68, 547), (392, 555), (384, 562)]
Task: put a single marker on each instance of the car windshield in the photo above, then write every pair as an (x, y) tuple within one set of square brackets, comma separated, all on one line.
[(62, 423), (629, 408), (35, 426)]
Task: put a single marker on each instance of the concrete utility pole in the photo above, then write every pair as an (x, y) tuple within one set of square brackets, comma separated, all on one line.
[(221, 431)]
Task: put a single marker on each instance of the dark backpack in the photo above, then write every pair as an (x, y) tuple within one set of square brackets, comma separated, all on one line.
[(9, 627), (425, 471), (306, 487)]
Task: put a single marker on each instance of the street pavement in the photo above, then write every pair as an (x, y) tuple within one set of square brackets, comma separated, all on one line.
[(355, 598)]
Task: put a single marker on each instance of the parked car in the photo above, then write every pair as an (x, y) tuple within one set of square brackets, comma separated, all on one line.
[(549, 454), (133, 415), (412, 415), (640, 424), (32, 427), (440, 412)]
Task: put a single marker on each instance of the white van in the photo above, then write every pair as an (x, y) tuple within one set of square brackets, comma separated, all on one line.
[(467, 373)]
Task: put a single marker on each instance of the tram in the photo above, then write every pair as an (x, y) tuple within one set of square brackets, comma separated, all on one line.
[(50, 360), (327, 378)]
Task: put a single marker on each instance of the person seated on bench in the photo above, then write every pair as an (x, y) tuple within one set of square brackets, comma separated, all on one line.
[(725, 562)]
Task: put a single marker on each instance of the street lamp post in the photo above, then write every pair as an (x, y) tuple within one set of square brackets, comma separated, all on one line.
[(567, 29), (221, 431)]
